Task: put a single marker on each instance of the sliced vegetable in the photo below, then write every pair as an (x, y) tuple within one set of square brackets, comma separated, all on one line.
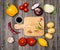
[(49, 8), (11, 29), (11, 10), (38, 11)]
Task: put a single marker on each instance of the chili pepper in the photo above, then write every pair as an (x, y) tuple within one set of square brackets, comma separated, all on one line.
[(11, 29), (11, 10)]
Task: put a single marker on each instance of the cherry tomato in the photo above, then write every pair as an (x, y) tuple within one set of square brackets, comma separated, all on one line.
[(31, 41), (21, 7), (25, 9), (22, 41), (25, 4)]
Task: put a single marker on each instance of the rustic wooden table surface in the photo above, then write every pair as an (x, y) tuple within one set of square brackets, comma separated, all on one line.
[(54, 44)]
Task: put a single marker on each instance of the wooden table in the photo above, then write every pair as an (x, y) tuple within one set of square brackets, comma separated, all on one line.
[(54, 44)]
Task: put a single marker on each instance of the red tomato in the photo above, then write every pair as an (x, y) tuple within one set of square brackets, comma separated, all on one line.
[(25, 4), (25, 9), (31, 41), (21, 7), (22, 41)]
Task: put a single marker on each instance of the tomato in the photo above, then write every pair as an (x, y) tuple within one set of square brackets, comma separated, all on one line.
[(21, 7), (31, 41), (25, 4), (25, 9), (22, 41)]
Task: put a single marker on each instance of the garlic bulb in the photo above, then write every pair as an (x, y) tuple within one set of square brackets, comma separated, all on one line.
[(10, 39)]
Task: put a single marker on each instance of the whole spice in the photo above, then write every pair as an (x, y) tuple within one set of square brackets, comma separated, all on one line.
[(11, 29)]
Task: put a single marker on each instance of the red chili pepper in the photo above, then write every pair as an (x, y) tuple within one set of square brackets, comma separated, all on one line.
[(11, 29)]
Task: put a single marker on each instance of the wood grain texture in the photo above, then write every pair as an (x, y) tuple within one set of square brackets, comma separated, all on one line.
[(54, 44)]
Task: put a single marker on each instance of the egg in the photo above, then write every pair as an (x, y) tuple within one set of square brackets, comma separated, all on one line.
[(10, 39), (51, 30), (48, 36), (50, 24)]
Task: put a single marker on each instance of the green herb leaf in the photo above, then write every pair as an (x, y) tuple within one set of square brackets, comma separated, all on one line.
[(39, 24), (39, 28)]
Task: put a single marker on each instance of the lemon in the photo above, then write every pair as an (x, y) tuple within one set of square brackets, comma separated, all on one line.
[(42, 42)]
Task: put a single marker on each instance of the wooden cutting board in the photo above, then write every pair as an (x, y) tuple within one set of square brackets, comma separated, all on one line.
[(33, 26)]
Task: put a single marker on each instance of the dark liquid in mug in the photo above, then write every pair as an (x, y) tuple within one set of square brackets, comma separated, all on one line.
[(18, 19)]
